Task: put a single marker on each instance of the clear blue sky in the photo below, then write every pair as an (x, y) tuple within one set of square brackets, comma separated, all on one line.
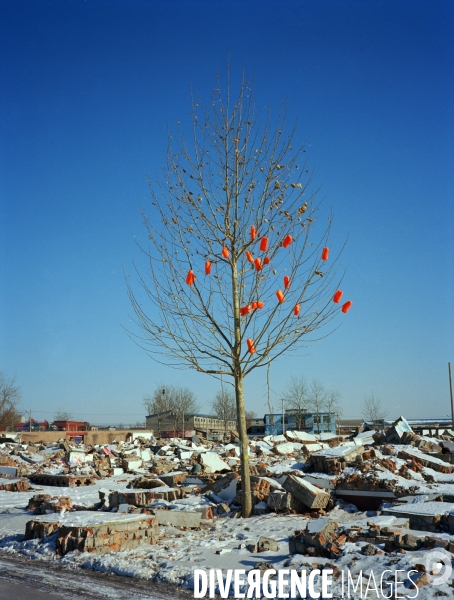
[(88, 91)]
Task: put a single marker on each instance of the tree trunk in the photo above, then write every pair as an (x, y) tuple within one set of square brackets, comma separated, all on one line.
[(244, 448), (239, 394)]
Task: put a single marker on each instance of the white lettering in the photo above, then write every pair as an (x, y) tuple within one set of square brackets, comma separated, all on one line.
[(314, 573), (281, 582), (238, 581), (253, 579), (358, 583), (387, 583), (224, 588), (413, 583), (326, 583), (369, 587), (397, 583), (296, 582), (200, 577), (269, 587)]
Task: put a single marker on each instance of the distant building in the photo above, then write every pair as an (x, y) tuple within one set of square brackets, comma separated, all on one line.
[(300, 421), (35, 425), (73, 429), (170, 424), (256, 427)]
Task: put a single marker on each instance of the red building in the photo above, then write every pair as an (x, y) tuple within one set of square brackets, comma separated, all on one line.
[(72, 428), (35, 426)]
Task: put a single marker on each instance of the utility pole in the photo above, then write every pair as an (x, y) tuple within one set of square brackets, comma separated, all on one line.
[(452, 399), (283, 417)]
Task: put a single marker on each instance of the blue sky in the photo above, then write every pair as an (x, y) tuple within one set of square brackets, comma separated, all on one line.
[(89, 91)]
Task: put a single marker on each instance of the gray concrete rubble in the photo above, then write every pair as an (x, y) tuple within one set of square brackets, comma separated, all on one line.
[(395, 474)]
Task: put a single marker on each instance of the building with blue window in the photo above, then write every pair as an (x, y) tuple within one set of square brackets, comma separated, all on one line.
[(300, 421)]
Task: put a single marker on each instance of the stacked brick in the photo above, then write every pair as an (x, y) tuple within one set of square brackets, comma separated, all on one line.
[(104, 533), (14, 485), (141, 497)]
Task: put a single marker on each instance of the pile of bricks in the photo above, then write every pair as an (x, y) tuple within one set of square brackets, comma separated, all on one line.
[(320, 538), (102, 534), (14, 485), (143, 497), (63, 480)]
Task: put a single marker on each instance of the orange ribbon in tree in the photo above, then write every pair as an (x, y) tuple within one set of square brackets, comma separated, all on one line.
[(190, 277), (253, 232), (337, 296), (208, 267), (346, 306), (296, 310), (287, 241), (280, 296), (264, 244), (286, 282), (325, 253), (225, 252), (249, 256), (258, 264), (250, 345)]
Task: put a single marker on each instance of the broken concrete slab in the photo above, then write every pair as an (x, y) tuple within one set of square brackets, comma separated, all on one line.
[(213, 463), (426, 516), (284, 449), (311, 496), (179, 518), (68, 480)]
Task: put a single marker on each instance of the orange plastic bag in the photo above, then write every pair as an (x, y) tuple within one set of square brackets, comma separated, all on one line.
[(250, 345), (260, 304), (225, 252), (190, 277), (296, 310), (286, 282), (208, 267), (337, 296), (287, 241), (264, 244), (346, 307), (280, 296), (249, 256), (253, 232), (266, 260), (325, 253), (258, 264)]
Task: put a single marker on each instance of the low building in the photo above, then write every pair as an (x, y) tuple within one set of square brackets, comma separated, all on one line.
[(306, 421), (176, 424), (256, 427), (31, 425), (73, 429)]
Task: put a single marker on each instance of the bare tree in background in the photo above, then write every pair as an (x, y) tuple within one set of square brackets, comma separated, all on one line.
[(174, 399), (333, 406), (318, 395), (9, 399), (62, 415), (224, 407), (250, 416), (296, 398), (213, 296), (373, 411)]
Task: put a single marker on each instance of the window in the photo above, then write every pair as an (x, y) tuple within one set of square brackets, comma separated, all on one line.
[(326, 419), (316, 418)]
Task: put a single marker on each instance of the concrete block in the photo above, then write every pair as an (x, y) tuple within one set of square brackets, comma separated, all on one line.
[(306, 493)]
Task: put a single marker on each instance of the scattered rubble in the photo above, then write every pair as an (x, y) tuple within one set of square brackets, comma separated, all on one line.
[(148, 488)]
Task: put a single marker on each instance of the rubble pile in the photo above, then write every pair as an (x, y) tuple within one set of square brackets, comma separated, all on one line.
[(148, 485)]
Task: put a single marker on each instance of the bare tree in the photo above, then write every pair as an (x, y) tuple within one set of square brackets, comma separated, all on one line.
[(62, 415), (373, 411), (318, 395), (296, 398), (224, 407), (9, 399), (250, 416), (231, 265), (169, 398), (332, 404)]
